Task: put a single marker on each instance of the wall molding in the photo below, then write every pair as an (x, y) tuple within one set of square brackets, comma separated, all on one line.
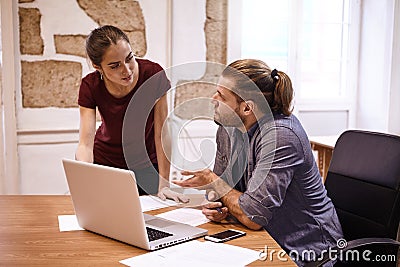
[(47, 137)]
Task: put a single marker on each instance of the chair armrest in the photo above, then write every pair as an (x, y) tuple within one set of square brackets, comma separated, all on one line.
[(353, 244)]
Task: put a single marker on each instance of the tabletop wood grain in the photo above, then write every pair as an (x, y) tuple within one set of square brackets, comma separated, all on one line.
[(30, 236)]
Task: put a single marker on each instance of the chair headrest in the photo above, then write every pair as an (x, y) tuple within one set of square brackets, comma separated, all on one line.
[(369, 156)]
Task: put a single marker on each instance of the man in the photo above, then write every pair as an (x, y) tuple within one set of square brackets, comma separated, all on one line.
[(271, 180)]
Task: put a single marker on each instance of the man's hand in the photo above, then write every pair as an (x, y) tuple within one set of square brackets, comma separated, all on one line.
[(166, 192), (214, 211), (200, 179)]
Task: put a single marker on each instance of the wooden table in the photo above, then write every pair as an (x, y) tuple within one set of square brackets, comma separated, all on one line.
[(29, 236), (324, 146)]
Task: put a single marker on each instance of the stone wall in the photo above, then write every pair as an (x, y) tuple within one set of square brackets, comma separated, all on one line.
[(55, 83), (127, 15)]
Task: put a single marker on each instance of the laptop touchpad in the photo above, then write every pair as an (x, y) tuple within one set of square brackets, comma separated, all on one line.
[(159, 223)]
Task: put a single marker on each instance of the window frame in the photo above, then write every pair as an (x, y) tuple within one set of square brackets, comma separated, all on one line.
[(347, 100)]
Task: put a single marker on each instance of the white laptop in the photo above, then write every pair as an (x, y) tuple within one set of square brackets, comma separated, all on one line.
[(106, 201)]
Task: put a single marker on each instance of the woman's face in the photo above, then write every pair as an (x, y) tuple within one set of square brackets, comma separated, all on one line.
[(118, 65)]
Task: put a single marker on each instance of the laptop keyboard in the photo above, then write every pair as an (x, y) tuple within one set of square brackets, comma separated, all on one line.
[(154, 234)]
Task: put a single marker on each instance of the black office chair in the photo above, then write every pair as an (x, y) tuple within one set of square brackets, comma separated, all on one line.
[(363, 182)]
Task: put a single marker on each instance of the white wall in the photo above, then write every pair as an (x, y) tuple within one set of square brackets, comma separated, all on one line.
[(394, 110), (157, 15), (375, 65), (188, 40), (378, 106)]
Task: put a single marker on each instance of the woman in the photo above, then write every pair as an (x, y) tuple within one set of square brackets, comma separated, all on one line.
[(117, 77)]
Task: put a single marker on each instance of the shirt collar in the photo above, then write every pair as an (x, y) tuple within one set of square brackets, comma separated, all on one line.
[(253, 129), (250, 133), (256, 125)]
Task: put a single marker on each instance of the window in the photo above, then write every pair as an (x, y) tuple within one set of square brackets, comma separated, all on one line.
[(308, 39)]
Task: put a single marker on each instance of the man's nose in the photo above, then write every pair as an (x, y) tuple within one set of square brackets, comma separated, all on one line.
[(214, 101)]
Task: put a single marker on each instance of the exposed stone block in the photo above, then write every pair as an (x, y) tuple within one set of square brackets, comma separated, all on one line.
[(216, 41), (138, 42), (70, 44), (217, 9), (124, 14), (31, 43), (191, 99), (50, 83), (216, 30)]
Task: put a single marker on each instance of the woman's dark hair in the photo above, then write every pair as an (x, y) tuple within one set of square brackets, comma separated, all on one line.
[(100, 39), (275, 86)]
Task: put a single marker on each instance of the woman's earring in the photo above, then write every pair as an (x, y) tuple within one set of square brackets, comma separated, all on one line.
[(101, 76)]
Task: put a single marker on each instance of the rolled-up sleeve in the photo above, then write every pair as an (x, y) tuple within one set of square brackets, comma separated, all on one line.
[(276, 158)]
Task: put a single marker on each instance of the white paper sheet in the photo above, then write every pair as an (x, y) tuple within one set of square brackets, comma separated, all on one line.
[(193, 217), (154, 203), (196, 254), (68, 223)]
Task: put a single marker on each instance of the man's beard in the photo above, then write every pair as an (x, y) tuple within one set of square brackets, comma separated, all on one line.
[(230, 120)]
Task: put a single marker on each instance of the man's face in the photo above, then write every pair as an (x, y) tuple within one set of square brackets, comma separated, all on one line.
[(226, 106)]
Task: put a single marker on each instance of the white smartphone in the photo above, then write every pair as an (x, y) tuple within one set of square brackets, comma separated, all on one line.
[(225, 235)]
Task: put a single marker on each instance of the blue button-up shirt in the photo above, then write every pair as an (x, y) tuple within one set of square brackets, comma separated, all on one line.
[(273, 165)]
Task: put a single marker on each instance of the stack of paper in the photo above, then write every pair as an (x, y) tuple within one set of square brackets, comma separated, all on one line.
[(68, 223)]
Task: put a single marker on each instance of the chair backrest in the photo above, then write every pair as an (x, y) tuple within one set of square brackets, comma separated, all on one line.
[(363, 182)]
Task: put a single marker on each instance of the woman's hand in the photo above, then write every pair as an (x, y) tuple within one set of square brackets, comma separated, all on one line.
[(166, 192)]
